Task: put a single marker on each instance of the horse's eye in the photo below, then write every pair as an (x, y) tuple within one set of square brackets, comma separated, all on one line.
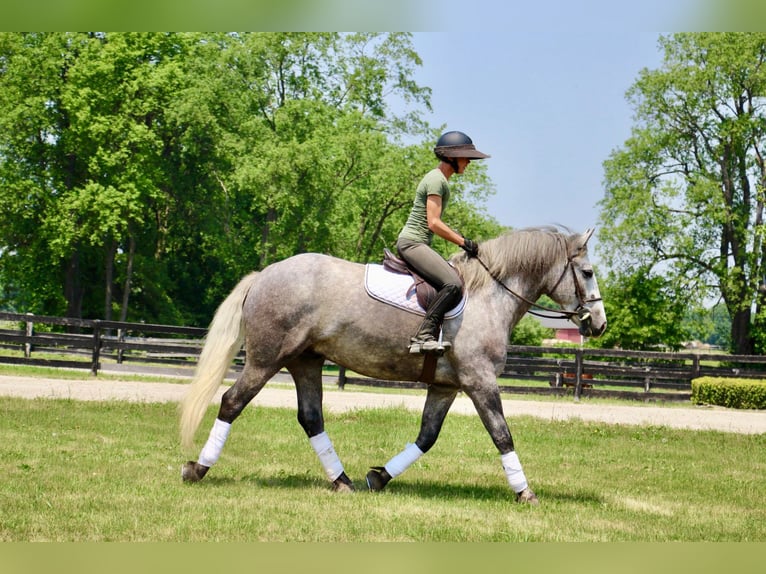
[(587, 273)]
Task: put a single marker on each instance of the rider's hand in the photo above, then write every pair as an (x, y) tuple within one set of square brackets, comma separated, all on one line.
[(470, 247)]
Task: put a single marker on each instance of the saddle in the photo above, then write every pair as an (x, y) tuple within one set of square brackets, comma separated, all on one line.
[(424, 291)]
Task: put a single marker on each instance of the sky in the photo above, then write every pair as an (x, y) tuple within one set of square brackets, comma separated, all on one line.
[(547, 104)]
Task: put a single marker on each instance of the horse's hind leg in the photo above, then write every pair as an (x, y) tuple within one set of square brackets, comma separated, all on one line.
[(234, 400), (438, 402), (307, 373)]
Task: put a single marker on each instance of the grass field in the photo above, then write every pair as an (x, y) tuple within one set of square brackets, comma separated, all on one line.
[(77, 471)]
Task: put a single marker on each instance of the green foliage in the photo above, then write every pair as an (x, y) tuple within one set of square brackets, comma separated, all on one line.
[(684, 195), (142, 174), (732, 393), (530, 332), (644, 311), (711, 326)]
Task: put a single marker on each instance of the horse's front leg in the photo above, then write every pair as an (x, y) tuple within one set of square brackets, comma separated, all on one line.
[(438, 402), (489, 406)]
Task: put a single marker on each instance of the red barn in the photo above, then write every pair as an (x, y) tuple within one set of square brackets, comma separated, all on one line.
[(566, 331)]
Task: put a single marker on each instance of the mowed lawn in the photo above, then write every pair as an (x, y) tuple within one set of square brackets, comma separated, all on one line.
[(84, 471)]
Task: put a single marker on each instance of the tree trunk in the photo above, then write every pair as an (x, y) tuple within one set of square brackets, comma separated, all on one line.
[(741, 337), (128, 278), (271, 216), (109, 279), (73, 288)]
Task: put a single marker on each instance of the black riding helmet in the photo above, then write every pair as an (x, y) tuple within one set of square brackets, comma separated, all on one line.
[(453, 145)]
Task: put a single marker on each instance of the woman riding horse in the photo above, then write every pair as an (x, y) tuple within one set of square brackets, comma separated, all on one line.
[(454, 150)]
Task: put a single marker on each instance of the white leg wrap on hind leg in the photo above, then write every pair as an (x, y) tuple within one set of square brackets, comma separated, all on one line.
[(512, 467), (322, 445), (403, 460), (214, 445)]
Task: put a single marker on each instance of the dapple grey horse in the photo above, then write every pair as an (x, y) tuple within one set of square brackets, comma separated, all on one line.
[(310, 308)]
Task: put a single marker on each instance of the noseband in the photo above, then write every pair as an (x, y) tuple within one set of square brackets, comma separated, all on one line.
[(581, 312)]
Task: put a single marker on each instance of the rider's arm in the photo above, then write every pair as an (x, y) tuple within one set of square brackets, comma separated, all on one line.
[(435, 223)]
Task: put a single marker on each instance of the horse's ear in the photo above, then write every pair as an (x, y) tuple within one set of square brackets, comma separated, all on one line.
[(581, 245)]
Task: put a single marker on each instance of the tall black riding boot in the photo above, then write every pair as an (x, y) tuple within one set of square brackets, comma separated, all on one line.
[(426, 340)]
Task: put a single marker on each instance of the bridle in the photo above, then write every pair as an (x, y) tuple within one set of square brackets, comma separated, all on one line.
[(581, 312)]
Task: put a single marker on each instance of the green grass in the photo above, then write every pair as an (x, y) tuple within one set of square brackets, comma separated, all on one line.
[(82, 471)]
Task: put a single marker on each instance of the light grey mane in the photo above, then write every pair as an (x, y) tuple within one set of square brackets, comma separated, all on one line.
[(527, 251)]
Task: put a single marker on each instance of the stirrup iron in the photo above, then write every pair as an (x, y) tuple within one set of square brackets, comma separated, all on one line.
[(430, 345)]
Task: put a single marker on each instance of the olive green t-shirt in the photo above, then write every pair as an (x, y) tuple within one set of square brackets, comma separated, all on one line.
[(416, 228)]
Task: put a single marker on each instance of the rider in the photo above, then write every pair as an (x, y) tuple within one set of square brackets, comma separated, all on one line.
[(454, 150)]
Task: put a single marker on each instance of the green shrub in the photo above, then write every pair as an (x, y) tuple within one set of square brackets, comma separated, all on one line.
[(529, 331), (733, 393)]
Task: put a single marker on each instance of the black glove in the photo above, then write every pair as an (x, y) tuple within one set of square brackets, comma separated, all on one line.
[(470, 247)]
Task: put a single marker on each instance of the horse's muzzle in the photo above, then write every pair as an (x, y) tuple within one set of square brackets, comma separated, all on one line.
[(589, 331), (585, 323)]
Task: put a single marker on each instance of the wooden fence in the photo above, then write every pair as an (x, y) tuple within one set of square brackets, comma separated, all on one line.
[(642, 375), (136, 347), (87, 343)]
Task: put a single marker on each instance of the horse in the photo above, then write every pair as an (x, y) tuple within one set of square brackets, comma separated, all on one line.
[(309, 308)]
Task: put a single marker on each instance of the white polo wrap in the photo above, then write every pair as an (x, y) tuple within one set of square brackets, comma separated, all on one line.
[(322, 445), (403, 460), (512, 467), (214, 445)]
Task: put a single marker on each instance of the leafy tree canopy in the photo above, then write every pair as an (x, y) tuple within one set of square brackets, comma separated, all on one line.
[(684, 196), (142, 174)]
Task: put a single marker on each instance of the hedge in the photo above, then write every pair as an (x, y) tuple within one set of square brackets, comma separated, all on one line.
[(733, 393)]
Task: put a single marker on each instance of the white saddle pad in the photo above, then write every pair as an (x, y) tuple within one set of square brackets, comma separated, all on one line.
[(398, 290)]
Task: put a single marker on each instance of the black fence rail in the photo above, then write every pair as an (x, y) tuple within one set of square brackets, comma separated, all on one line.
[(42, 337), (90, 344), (608, 372)]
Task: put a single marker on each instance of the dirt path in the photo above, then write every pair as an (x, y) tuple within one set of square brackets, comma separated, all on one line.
[(277, 395)]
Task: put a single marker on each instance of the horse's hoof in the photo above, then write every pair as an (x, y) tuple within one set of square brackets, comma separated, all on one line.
[(526, 496), (192, 471), (377, 478), (343, 484)]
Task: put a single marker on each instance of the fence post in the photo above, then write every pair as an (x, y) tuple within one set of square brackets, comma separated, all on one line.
[(120, 350), (29, 331), (647, 379), (96, 347), (578, 374)]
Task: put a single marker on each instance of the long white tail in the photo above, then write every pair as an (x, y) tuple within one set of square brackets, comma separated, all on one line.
[(224, 340)]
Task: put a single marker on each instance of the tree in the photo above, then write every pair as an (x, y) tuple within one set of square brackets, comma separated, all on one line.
[(142, 174), (327, 163), (529, 331), (710, 325), (645, 312), (685, 194), (82, 160)]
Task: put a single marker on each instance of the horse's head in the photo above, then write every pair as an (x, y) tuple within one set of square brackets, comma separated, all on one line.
[(576, 288)]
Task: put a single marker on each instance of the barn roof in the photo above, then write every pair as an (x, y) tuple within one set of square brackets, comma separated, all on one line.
[(554, 322)]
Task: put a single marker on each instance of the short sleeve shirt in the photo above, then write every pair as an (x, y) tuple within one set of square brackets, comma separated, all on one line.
[(416, 228)]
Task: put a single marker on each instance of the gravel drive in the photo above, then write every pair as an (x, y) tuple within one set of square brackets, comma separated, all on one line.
[(277, 394)]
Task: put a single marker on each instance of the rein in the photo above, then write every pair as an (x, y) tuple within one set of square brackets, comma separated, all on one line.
[(563, 313)]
